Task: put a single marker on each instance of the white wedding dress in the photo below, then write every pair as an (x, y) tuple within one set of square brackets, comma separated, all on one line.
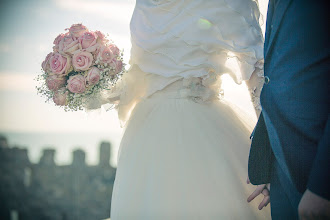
[(184, 151)]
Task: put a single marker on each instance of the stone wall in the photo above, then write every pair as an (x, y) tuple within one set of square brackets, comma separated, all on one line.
[(46, 191)]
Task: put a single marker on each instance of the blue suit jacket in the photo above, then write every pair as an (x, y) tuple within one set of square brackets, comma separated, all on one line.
[(294, 128)]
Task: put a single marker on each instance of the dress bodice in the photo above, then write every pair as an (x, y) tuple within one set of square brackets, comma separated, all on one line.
[(190, 38), (191, 41)]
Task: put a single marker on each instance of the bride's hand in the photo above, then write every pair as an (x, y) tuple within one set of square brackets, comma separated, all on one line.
[(261, 189)]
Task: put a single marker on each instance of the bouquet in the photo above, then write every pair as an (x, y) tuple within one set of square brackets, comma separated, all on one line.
[(83, 65)]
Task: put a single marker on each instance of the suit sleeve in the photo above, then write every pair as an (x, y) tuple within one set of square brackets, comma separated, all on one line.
[(319, 178)]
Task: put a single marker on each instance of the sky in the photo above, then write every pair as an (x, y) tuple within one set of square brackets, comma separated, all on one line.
[(26, 40), (28, 29)]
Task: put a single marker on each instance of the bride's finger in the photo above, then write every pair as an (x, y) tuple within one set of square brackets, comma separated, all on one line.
[(265, 192), (264, 202), (248, 180), (256, 192)]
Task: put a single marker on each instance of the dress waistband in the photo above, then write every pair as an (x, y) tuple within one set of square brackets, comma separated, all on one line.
[(191, 88)]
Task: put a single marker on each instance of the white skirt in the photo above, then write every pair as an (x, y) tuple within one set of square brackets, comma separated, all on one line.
[(181, 159)]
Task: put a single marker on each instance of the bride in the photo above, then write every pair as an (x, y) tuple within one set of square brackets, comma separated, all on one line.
[(184, 151)]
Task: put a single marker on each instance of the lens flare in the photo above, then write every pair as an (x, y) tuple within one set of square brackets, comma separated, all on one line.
[(204, 24)]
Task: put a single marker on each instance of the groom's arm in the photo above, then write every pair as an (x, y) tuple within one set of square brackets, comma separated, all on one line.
[(319, 179), (316, 200)]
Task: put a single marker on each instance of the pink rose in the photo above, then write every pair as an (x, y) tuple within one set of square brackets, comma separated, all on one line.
[(57, 41), (82, 60), (68, 44), (93, 49), (45, 64), (76, 84), (88, 39), (77, 30), (114, 49), (93, 76), (105, 54), (60, 96), (59, 64), (117, 65), (54, 82), (101, 37)]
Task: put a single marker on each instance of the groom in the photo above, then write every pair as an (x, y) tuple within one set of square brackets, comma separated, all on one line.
[(291, 142)]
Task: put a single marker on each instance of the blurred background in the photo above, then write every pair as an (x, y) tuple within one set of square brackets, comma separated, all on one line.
[(56, 164)]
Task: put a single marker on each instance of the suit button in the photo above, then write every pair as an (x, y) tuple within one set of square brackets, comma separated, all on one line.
[(267, 80)]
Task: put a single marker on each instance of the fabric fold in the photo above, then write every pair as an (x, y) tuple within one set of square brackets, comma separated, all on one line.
[(190, 38)]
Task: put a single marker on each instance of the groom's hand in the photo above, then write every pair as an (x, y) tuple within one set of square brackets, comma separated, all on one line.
[(312, 206), (261, 189)]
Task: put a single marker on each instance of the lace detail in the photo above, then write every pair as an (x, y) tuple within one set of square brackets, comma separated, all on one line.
[(255, 99), (195, 89), (255, 84)]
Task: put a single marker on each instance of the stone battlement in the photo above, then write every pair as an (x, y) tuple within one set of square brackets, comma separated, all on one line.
[(48, 191)]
